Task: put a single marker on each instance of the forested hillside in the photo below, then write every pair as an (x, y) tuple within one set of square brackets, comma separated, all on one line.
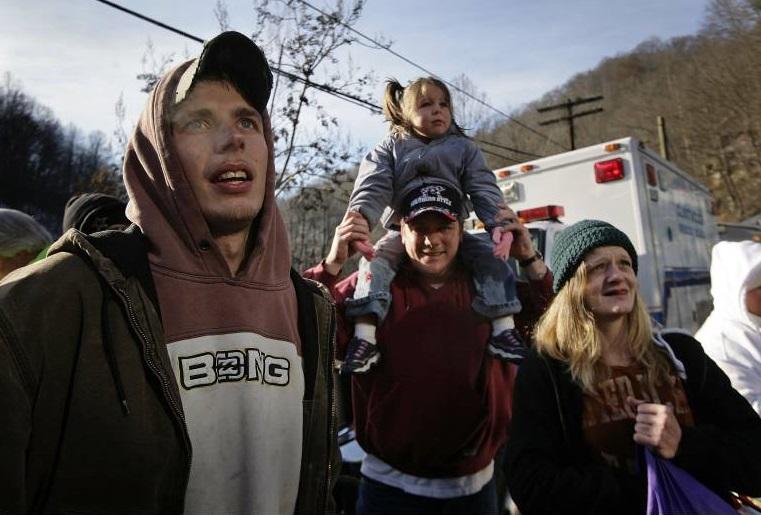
[(43, 163), (708, 89)]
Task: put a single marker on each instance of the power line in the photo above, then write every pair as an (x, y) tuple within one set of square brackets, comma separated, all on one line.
[(504, 147), (419, 67), (322, 87), (151, 20)]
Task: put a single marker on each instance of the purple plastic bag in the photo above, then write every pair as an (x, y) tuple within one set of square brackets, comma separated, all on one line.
[(673, 491)]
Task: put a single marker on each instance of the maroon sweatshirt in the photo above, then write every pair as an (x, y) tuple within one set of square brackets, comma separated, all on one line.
[(437, 405)]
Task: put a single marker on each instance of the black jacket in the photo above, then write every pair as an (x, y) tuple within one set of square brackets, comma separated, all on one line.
[(551, 469), (90, 417)]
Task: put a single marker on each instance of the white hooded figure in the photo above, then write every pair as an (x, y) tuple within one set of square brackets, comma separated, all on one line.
[(731, 335)]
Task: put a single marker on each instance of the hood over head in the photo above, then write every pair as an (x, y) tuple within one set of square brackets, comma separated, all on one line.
[(735, 268), (161, 199)]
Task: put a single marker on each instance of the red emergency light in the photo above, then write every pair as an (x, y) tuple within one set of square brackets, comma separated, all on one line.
[(611, 170), (541, 213)]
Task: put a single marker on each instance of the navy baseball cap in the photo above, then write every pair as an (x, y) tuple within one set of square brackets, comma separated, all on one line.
[(439, 198)]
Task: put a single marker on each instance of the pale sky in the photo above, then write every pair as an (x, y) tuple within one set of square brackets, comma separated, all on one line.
[(78, 56)]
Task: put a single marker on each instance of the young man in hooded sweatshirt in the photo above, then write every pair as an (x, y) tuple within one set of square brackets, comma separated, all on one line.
[(179, 366)]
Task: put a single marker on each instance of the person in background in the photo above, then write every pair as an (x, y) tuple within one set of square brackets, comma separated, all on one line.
[(180, 365), (22, 240), (95, 212), (425, 146), (601, 382), (431, 432), (731, 334)]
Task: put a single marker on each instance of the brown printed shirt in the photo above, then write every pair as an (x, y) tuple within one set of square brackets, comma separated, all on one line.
[(608, 421)]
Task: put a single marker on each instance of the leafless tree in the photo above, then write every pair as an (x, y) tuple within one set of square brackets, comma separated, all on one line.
[(310, 44), (471, 114)]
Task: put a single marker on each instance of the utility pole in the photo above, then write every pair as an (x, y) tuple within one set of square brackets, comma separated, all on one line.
[(663, 140), (568, 105)]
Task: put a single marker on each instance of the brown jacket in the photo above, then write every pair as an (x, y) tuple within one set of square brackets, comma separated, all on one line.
[(90, 411)]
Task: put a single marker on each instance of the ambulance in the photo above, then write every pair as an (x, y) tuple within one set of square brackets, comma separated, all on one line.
[(666, 213)]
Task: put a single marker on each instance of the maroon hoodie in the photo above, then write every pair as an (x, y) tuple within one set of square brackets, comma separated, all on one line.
[(232, 339), (436, 406)]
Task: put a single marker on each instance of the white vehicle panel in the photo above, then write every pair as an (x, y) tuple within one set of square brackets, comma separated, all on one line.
[(668, 219)]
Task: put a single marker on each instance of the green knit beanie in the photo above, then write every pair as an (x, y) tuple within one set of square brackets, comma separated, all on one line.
[(576, 241)]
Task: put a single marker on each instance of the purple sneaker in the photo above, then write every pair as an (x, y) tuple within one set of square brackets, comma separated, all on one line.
[(360, 356), (508, 346)]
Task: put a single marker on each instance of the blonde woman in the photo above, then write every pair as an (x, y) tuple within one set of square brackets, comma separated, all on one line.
[(601, 381)]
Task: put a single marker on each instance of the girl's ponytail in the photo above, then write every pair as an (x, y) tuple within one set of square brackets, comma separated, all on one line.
[(392, 105)]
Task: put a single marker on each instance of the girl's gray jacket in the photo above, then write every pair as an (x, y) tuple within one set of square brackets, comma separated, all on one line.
[(401, 163), (91, 419)]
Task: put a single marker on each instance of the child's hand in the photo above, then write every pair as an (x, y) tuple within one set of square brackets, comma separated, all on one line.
[(503, 240), (364, 248), (361, 243)]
